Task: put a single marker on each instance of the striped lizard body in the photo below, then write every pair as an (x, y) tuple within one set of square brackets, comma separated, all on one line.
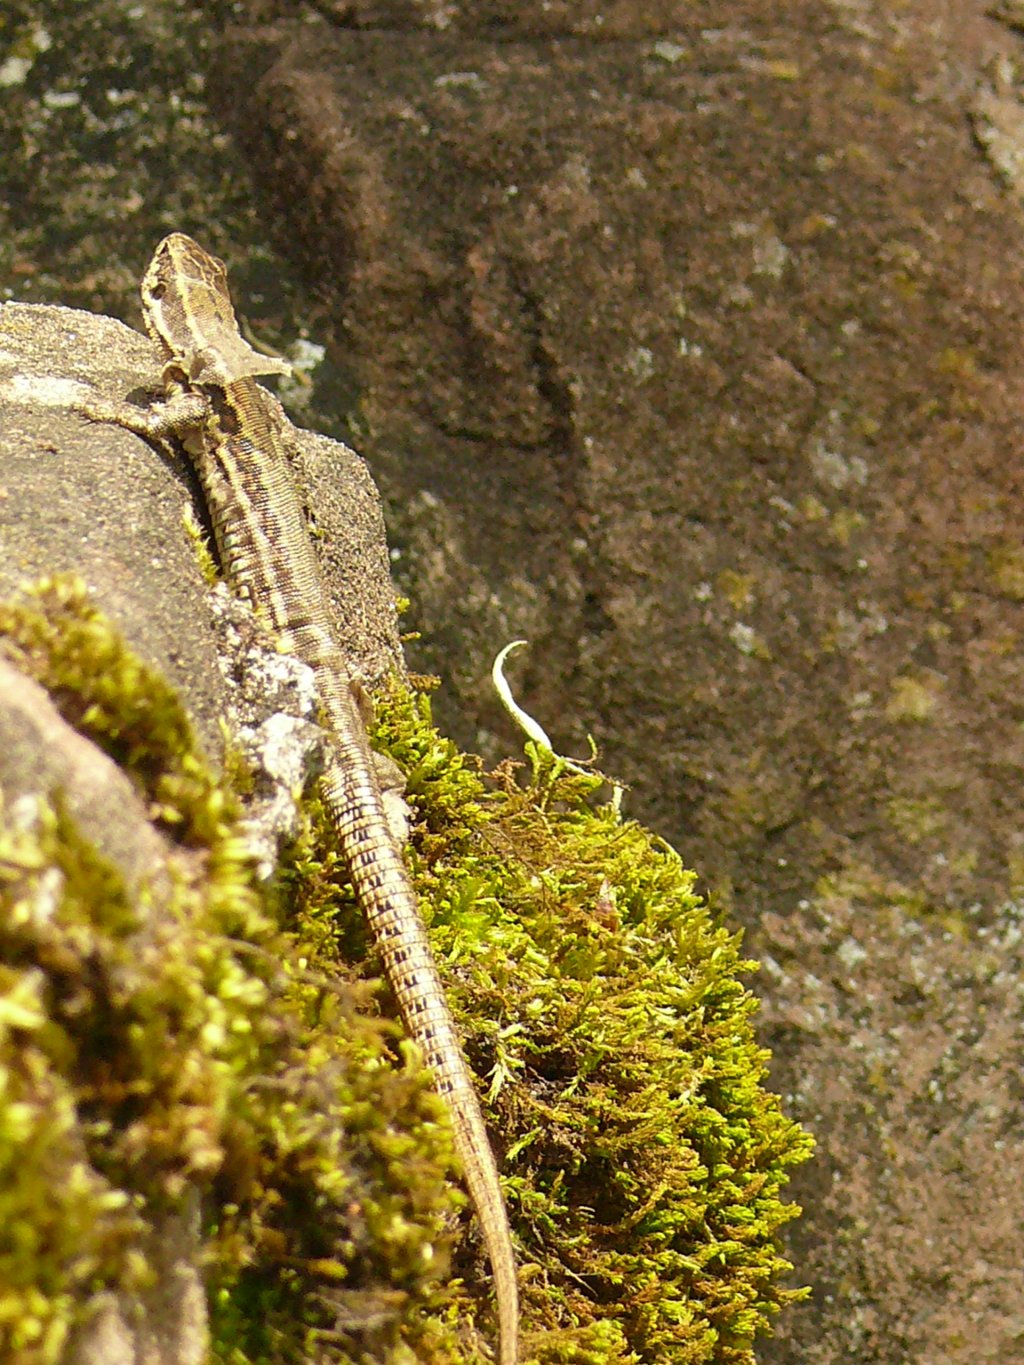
[(233, 436)]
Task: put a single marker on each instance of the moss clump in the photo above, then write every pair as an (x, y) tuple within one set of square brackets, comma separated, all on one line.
[(60, 1218), (158, 1044), (643, 1157), (218, 1042)]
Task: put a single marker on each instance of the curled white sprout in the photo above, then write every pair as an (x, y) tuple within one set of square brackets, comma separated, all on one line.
[(533, 728)]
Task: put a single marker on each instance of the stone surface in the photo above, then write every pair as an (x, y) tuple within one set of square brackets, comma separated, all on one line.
[(721, 409), (40, 755), (664, 366), (165, 1324), (97, 500), (688, 344), (900, 1037)]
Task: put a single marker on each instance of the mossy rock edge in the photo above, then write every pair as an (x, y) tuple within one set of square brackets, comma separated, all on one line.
[(226, 1042)]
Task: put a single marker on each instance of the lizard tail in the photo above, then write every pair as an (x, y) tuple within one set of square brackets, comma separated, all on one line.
[(392, 911)]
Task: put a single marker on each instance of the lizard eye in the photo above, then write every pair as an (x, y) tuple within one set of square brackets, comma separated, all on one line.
[(158, 290)]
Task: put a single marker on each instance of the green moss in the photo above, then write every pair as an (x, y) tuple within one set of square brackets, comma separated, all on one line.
[(601, 1005), (1006, 570), (61, 1220), (643, 1158), (918, 820), (197, 538), (147, 1054)]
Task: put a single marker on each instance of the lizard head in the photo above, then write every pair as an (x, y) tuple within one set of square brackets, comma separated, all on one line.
[(188, 310)]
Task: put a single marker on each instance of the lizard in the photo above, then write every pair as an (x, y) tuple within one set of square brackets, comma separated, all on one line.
[(236, 437)]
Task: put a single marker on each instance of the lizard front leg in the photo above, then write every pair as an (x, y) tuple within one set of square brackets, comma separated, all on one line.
[(181, 414)]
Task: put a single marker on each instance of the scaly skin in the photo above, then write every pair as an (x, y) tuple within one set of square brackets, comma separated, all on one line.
[(232, 436)]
